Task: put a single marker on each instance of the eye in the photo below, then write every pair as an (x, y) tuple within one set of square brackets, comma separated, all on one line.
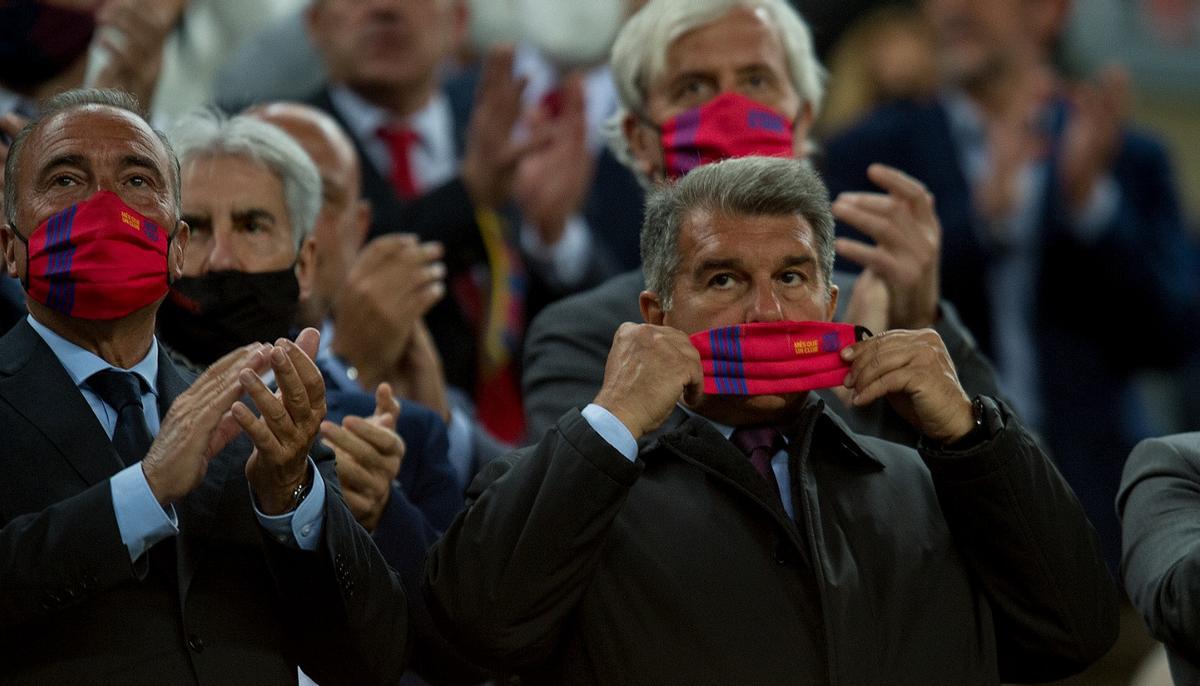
[(63, 181), (793, 278), (722, 280), (138, 181)]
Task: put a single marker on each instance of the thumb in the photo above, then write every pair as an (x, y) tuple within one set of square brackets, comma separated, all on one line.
[(385, 400)]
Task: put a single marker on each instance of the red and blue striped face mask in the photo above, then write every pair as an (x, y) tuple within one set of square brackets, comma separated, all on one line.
[(771, 358), (97, 259), (730, 125)]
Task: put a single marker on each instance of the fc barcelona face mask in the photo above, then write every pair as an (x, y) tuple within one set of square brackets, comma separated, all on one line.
[(97, 259), (770, 358), (730, 125)]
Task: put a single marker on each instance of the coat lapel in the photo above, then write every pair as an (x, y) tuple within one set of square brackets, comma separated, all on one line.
[(36, 385)]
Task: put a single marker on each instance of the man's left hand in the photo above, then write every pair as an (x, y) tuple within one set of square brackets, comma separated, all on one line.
[(908, 243), (369, 453), (289, 422), (1093, 134), (914, 371)]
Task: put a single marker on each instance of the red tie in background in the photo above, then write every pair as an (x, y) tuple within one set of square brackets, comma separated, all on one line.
[(400, 140)]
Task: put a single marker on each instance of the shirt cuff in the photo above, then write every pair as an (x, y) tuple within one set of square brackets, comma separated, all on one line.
[(460, 448), (565, 262), (611, 430), (300, 528), (1100, 210), (141, 521)]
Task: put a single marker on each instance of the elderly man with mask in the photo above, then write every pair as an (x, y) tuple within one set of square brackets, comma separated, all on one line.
[(706, 520), (142, 540), (252, 195), (705, 80)]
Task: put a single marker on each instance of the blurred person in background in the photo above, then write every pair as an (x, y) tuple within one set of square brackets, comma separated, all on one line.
[(1057, 219), (888, 54), (441, 164)]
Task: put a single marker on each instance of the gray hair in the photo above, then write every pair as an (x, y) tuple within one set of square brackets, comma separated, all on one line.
[(80, 98), (639, 54), (206, 133), (748, 186)]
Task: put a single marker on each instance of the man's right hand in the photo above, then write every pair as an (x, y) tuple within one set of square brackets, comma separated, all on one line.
[(649, 369), (491, 155), (199, 425), (390, 287)]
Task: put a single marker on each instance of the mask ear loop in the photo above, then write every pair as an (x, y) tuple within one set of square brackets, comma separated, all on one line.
[(25, 278)]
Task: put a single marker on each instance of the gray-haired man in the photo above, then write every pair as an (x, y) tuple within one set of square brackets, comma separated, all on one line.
[(637, 544)]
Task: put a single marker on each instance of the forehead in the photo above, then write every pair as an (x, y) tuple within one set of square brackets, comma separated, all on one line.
[(229, 179), (741, 37), (92, 132), (706, 234)]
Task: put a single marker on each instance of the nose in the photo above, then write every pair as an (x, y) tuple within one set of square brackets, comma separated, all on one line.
[(223, 255), (764, 304)]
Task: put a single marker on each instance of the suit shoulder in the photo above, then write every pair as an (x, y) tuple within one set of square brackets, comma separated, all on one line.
[(888, 121)]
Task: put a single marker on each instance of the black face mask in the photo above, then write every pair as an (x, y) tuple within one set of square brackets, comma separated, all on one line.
[(205, 317)]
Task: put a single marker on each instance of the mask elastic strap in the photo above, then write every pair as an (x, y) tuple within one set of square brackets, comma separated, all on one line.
[(24, 279)]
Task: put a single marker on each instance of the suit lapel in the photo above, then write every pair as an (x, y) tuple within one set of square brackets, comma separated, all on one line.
[(36, 385)]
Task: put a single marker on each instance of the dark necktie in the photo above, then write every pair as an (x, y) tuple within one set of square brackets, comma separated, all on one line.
[(760, 443), (123, 392)]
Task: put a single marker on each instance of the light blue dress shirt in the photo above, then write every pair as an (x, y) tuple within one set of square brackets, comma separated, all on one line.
[(141, 521), (621, 439)]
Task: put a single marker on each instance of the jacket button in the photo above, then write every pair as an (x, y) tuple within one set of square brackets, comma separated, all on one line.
[(780, 556), (196, 643)]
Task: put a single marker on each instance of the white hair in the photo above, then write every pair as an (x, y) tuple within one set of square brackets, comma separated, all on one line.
[(639, 55), (206, 132)]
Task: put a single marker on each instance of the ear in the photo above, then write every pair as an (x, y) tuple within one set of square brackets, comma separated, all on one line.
[(800, 130), (645, 145), (833, 301), (8, 243), (178, 250), (306, 267), (652, 311)]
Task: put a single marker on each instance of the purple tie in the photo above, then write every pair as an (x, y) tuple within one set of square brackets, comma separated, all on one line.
[(760, 443)]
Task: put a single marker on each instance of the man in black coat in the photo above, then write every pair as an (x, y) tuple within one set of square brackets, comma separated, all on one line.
[(636, 543), (1158, 505), (142, 538)]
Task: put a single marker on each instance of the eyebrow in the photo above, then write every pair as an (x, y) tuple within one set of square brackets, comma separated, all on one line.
[(734, 263), (70, 160), (253, 213)]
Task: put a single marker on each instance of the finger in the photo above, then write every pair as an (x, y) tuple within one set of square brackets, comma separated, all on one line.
[(432, 251), (385, 400), (227, 429), (879, 203), (383, 441), (12, 123), (309, 341), (256, 429), (879, 227), (349, 443), (272, 412), (894, 381), (310, 374), (895, 181), (291, 388), (873, 257), (878, 361)]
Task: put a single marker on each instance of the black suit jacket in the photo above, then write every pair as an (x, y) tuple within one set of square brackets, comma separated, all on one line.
[(446, 214), (220, 603)]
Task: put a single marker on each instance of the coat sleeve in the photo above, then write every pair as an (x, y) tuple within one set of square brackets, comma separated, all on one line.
[(60, 557), (1159, 506), (511, 569), (1033, 552), (347, 607)]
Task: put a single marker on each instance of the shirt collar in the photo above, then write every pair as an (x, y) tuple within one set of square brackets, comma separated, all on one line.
[(433, 123), (81, 364)]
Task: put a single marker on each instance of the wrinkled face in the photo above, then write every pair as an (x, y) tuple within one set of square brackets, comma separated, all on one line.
[(238, 216), (978, 39), (376, 45), (70, 157), (737, 269), (738, 53)]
